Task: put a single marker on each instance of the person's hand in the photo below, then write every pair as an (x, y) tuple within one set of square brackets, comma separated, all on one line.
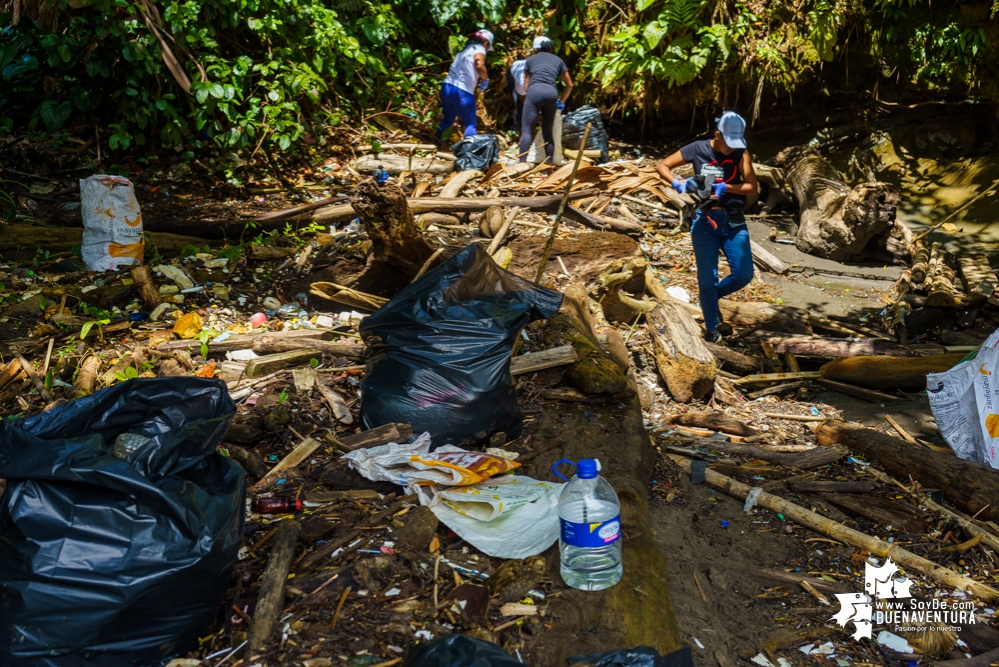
[(560, 105), (682, 185), (718, 189), (484, 85)]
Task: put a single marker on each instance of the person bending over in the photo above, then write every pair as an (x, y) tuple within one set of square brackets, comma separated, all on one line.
[(727, 169), (467, 72), (541, 74)]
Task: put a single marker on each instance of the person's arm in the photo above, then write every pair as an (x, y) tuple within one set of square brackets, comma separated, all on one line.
[(480, 66), (567, 80), (749, 185), (665, 167), (527, 80)]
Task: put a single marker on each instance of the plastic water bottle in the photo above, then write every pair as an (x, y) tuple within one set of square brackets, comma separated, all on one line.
[(590, 538)]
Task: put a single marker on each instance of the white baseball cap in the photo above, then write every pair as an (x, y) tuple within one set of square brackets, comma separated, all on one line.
[(486, 35), (733, 129), (541, 41)]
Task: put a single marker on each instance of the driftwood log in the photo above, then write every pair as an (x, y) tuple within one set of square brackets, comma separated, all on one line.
[(737, 362), (969, 486), (398, 249), (396, 164), (977, 275), (837, 222), (833, 348), (715, 421), (889, 372), (941, 279), (683, 361)]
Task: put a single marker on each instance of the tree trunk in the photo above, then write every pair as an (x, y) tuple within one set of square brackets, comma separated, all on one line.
[(777, 193), (398, 249), (941, 279), (760, 315), (889, 372), (396, 164), (681, 357), (828, 347), (836, 222), (971, 487)]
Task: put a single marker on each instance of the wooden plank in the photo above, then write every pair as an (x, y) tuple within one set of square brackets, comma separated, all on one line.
[(778, 377), (269, 344), (304, 450), (765, 259), (351, 494), (275, 362), (536, 361)]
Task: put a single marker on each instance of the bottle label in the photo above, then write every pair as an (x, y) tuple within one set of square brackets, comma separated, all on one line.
[(591, 534)]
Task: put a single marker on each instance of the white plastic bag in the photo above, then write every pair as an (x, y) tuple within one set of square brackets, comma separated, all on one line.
[(413, 465), (512, 516), (965, 403), (537, 153), (112, 223)]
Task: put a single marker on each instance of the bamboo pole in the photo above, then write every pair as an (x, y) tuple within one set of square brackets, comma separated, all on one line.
[(838, 531), (561, 208)]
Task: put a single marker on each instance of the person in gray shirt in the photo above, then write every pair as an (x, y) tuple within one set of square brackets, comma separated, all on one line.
[(542, 72)]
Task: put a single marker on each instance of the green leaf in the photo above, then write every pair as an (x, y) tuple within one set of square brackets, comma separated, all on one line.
[(492, 10), (282, 397), (204, 349), (121, 377), (131, 373), (284, 142), (85, 329), (201, 94), (217, 91), (654, 33), (314, 363), (642, 5), (55, 114)]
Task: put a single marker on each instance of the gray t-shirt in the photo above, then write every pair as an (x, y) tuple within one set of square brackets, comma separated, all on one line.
[(545, 68)]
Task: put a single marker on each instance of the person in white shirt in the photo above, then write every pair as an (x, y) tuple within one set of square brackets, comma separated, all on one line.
[(515, 82), (468, 72)]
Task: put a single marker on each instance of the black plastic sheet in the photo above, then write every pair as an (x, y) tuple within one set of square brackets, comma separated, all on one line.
[(574, 124), (460, 651), (439, 351), (641, 656), (108, 562), (479, 151)]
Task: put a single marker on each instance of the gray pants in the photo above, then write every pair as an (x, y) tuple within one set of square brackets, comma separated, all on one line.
[(541, 101)]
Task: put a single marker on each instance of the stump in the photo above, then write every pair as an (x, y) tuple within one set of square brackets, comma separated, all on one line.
[(837, 222), (398, 250), (681, 357)]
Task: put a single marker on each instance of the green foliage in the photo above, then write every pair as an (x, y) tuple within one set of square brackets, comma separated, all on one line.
[(129, 374)]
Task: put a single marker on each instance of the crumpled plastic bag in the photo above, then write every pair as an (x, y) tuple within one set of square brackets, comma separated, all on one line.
[(966, 406), (412, 465), (574, 124), (107, 562), (641, 656), (508, 517), (439, 351), (460, 651), (112, 223)]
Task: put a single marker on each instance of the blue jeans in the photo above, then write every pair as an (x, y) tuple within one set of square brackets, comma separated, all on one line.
[(457, 103), (734, 242)]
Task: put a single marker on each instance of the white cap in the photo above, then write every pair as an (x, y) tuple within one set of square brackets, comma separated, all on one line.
[(733, 129), (486, 35), (541, 41)]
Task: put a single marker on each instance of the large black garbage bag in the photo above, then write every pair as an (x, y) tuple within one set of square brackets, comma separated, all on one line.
[(439, 351), (478, 151), (573, 125), (460, 651), (106, 562), (642, 656)]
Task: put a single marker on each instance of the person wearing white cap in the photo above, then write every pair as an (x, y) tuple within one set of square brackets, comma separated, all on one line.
[(725, 168), (468, 72), (542, 71)]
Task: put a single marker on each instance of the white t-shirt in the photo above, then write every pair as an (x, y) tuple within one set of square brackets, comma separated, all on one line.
[(462, 74), (517, 70)]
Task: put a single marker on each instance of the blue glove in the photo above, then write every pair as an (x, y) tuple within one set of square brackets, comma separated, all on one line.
[(682, 185), (560, 105), (380, 176), (484, 85), (718, 189)]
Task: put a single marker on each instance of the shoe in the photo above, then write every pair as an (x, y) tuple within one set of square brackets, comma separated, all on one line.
[(714, 337)]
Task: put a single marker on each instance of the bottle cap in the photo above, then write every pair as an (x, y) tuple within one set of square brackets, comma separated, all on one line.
[(587, 468), (298, 504)]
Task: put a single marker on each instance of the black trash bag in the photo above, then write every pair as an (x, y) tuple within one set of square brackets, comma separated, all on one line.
[(106, 562), (478, 151), (642, 656), (439, 351), (574, 124), (460, 651)]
